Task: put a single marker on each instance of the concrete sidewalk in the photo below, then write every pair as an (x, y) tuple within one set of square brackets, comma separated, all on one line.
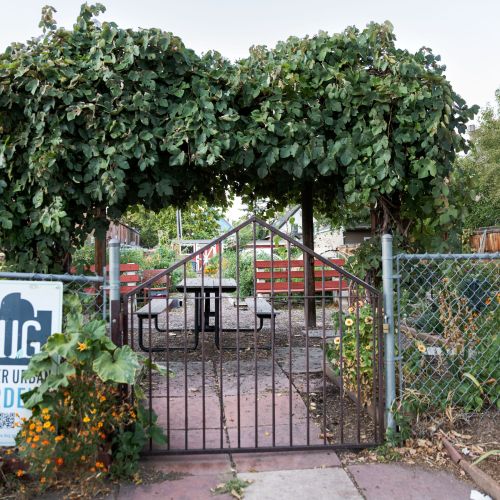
[(295, 475)]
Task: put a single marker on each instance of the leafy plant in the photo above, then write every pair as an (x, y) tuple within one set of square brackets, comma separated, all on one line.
[(82, 421), (342, 352)]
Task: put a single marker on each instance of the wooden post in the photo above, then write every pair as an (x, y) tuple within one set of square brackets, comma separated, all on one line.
[(99, 250), (308, 240)]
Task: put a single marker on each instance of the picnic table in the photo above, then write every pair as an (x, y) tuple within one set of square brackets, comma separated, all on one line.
[(207, 287)]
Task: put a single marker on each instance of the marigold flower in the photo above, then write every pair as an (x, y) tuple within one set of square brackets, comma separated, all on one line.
[(32, 426), (59, 461), (39, 429), (59, 438), (45, 442), (349, 322), (102, 399), (45, 411), (42, 480), (52, 428), (86, 419), (47, 424), (82, 346), (19, 472), (421, 347), (33, 445), (36, 438)]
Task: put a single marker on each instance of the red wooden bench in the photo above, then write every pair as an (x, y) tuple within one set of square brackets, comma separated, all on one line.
[(129, 276), (275, 279)]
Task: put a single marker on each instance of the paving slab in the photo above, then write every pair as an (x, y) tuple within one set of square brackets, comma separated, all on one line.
[(318, 484), (265, 404), (317, 333), (177, 440), (187, 488), (285, 460), (282, 435), (195, 465), (389, 481), (172, 412), (299, 359)]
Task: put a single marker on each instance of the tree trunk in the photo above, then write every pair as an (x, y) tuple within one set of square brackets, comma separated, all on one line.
[(308, 240), (99, 251)]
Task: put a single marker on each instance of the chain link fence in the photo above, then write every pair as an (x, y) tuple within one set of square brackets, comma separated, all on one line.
[(448, 323), (91, 290)]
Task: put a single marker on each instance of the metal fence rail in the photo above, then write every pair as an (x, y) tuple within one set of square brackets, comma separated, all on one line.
[(448, 323), (90, 289)]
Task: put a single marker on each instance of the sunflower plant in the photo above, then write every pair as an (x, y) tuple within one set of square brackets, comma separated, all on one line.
[(342, 351), (82, 424)]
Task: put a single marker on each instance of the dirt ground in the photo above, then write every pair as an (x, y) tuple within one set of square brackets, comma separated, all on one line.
[(472, 439)]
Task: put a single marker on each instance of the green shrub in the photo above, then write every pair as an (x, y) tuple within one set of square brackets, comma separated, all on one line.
[(82, 425)]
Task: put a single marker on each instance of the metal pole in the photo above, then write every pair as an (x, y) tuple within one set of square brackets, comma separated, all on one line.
[(114, 290), (390, 373), (114, 270)]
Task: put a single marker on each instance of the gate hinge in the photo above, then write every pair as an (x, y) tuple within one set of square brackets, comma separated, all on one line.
[(386, 327)]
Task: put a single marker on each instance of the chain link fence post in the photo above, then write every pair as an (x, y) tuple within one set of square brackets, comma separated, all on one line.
[(390, 367), (114, 291)]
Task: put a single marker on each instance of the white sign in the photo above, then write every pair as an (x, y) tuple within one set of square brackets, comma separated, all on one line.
[(30, 311)]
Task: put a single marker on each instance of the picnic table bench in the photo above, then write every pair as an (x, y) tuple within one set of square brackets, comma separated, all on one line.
[(283, 276), (150, 311), (263, 310)]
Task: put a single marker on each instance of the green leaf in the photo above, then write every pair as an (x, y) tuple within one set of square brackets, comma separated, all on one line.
[(121, 367), (32, 85)]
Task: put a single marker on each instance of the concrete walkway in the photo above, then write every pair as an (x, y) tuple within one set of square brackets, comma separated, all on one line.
[(295, 476)]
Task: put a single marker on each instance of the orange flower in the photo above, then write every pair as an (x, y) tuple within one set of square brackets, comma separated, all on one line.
[(19, 473), (45, 411), (45, 442), (33, 445), (58, 438), (86, 419), (32, 426), (46, 425), (82, 346), (42, 480), (102, 399), (36, 438), (59, 461)]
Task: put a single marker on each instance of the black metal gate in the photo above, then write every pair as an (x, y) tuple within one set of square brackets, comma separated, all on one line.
[(253, 369)]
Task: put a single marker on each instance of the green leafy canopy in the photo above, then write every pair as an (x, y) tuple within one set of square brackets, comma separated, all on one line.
[(100, 117)]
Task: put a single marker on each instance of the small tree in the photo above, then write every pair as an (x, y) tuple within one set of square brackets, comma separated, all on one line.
[(482, 164), (350, 122), (100, 118), (198, 221)]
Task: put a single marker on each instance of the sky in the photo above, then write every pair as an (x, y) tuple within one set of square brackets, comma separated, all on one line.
[(465, 33)]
